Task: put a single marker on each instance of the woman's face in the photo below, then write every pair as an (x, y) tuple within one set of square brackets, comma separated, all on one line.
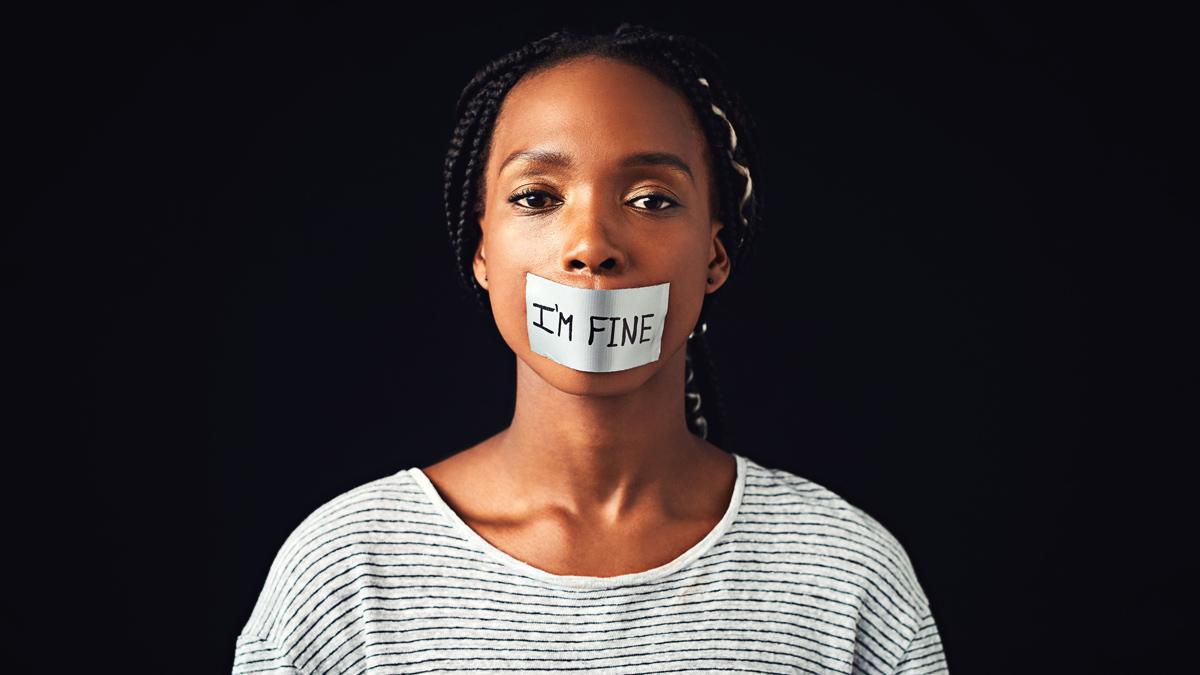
[(586, 217)]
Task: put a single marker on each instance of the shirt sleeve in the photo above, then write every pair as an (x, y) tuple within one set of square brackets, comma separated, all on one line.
[(924, 654), (259, 655), (260, 649)]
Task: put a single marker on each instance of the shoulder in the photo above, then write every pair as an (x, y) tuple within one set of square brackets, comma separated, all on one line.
[(333, 552), (855, 544)]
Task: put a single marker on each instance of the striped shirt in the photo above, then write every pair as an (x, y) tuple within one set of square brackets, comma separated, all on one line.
[(386, 578)]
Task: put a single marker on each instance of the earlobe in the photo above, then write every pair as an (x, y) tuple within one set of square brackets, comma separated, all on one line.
[(718, 263), (480, 265)]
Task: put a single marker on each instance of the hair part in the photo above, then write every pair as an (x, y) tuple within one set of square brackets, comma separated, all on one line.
[(678, 61)]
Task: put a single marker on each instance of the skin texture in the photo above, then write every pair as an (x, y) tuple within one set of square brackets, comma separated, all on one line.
[(597, 474)]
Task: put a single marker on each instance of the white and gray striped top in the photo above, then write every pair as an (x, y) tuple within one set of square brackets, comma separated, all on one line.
[(386, 578)]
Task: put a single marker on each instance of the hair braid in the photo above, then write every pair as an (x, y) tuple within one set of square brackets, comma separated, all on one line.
[(682, 62)]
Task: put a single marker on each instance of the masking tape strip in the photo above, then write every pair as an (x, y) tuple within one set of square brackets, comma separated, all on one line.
[(595, 330)]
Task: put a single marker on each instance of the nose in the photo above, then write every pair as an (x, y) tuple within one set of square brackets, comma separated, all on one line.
[(589, 248)]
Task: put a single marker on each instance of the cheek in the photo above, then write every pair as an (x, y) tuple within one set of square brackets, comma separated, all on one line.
[(508, 311), (687, 273), (509, 257), (687, 298)]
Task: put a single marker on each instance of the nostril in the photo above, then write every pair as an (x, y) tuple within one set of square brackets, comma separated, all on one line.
[(576, 264), (608, 264)]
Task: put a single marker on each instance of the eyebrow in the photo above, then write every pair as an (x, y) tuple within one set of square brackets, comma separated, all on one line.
[(564, 161)]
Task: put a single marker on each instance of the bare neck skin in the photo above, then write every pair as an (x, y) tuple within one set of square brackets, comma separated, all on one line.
[(599, 459)]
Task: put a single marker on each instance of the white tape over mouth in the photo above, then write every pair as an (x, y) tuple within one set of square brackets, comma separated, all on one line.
[(595, 330)]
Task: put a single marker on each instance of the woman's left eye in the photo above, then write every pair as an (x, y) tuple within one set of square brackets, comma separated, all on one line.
[(670, 203)]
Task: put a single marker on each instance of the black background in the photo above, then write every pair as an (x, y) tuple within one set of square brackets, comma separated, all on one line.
[(235, 300)]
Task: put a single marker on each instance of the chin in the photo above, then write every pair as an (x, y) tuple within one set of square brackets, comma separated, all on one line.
[(583, 383)]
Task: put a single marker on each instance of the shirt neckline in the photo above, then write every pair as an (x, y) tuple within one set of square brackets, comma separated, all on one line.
[(582, 581)]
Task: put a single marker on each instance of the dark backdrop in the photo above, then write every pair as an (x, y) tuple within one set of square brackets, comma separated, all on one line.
[(235, 300)]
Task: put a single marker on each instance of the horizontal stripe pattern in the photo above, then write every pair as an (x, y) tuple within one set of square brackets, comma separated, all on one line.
[(385, 578)]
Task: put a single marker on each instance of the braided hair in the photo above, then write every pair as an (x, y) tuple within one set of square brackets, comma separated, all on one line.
[(681, 62)]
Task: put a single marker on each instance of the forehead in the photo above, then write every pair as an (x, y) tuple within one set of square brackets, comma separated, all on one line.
[(596, 109)]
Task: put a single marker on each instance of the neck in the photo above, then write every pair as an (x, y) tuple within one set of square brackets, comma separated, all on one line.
[(600, 456)]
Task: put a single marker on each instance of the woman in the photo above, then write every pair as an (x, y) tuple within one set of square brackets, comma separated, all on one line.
[(599, 186)]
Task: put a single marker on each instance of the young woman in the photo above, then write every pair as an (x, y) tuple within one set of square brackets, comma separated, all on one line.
[(592, 183)]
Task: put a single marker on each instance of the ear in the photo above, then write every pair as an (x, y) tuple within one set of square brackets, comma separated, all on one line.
[(479, 264), (718, 260)]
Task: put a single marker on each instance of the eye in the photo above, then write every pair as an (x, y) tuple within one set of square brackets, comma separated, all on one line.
[(656, 197), (659, 202), (539, 194)]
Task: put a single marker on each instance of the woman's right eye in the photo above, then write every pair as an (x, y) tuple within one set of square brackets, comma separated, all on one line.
[(524, 194)]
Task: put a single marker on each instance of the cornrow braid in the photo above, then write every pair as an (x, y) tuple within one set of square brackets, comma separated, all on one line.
[(683, 63)]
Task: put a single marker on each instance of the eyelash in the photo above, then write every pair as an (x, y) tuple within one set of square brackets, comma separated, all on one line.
[(532, 191)]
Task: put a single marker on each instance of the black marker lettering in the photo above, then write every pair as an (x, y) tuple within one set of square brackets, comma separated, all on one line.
[(594, 330), (568, 319), (613, 332), (541, 313), (626, 333), (645, 325)]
